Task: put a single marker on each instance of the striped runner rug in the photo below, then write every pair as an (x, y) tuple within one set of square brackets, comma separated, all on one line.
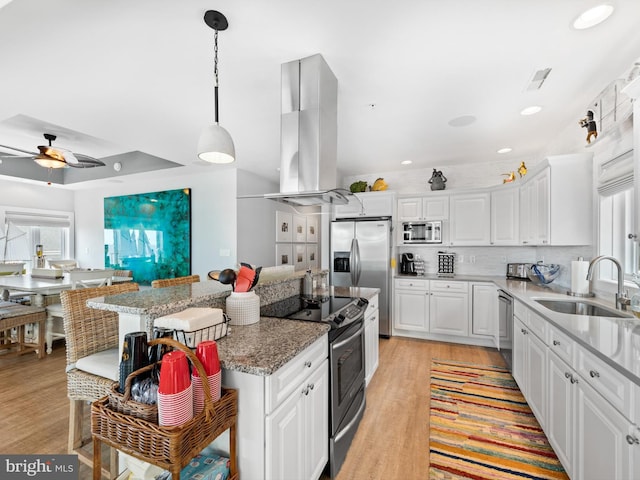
[(482, 428)]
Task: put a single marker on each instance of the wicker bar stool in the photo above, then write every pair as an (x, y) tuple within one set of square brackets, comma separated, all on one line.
[(92, 359), (170, 282)]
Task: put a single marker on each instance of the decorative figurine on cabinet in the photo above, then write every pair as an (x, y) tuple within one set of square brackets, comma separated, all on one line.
[(510, 177), (522, 169), (590, 124), (437, 180)]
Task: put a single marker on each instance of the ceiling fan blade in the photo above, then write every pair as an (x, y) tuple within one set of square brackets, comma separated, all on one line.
[(19, 150), (85, 161), (8, 156)]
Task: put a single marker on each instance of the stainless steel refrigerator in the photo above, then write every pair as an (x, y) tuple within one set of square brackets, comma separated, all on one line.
[(360, 257)]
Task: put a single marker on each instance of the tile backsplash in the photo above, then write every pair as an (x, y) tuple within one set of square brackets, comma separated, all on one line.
[(493, 260)]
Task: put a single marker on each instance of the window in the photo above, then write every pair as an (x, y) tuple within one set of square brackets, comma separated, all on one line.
[(23, 229), (616, 217)]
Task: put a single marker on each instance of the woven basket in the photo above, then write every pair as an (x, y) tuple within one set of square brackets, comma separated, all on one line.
[(122, 402), (169, 447)]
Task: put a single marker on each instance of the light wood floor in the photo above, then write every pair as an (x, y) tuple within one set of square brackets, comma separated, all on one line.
[(392, 441)]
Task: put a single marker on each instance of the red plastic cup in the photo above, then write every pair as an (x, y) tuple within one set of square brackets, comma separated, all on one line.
[(174, 373), (207, 353)]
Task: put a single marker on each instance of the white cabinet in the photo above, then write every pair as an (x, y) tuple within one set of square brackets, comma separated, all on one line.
[(555, 201), (283, 431), (561, 379), (505, 216), (296, 430), (470, 219), (423, 208), (367, 204), (411, 305), (371, 338), (449, 308), (484, 310), (530, 365)]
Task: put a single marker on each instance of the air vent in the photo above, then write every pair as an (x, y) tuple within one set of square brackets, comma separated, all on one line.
[(538, 79)]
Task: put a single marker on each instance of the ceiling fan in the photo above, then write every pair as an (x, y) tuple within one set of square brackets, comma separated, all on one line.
[(55, 157)]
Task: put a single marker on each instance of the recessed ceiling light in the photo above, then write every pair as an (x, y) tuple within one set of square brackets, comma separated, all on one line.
[(593, 17), (406, 162), (531, 110), (505, 150)]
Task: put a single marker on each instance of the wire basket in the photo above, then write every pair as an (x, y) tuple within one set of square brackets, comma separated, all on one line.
[(193, 338)]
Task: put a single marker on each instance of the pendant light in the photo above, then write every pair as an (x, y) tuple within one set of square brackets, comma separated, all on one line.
[(215, 144)]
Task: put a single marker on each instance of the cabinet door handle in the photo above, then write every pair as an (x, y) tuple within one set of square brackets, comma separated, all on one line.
[(594, 374), (306, 390), (524, 332), (631, 440), (567, 375), (573, 379), (307, 364), (311, 386), (556, 342)]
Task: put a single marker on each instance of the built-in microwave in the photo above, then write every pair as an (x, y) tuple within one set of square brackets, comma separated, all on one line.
[(422, 232)]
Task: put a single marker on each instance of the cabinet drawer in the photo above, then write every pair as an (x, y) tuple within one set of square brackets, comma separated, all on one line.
[(449, 286), (538, 325), (561, 345), (412, 284), (608, 382), (372, 307), (287, 378), (521, 311)]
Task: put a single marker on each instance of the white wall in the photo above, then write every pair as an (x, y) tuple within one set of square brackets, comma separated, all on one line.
[(213, 216), (31, 195)]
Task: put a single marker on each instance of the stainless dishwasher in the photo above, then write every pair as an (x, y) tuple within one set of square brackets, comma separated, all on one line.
[(505, 324)]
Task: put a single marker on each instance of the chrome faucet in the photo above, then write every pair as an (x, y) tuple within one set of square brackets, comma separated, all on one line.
[(621, 299)]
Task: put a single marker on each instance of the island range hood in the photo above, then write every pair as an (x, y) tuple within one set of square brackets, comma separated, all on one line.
[(309, 135)]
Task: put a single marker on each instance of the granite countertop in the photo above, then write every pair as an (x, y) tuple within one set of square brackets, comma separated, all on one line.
[(615, 341), (265, 346)]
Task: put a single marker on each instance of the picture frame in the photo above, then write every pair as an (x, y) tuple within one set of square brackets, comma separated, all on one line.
[(312, 255), (300, 256), (312, 229), (299, 228), (284, 254), (284, 226)]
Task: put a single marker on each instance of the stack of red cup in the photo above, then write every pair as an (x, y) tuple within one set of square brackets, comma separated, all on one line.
[(175, 395), (207, 353)]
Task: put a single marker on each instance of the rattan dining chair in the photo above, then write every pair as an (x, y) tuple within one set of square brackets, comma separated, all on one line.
[(170, 282), (92, 359)]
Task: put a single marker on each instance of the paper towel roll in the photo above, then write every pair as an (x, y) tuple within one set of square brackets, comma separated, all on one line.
[(579, 282)]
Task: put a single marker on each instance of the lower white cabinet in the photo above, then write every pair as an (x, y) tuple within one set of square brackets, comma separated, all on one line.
[(529, 368), (283, 427), (411, 306), (578, 400), (449, 307), (371, 338), (296, 431), (484, 310)]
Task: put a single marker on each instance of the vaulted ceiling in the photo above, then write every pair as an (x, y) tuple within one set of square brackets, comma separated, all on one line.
[(137, 76)]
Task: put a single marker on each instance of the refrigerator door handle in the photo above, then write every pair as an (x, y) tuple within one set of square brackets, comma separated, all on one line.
[(358, 268), (352, 261)]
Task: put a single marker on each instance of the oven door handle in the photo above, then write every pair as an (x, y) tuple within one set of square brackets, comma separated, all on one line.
[(347, 340)]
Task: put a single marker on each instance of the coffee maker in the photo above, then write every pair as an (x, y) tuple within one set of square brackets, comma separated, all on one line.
[(407, 264)]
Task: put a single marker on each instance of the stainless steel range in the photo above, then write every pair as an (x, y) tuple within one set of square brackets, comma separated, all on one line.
[(345, 315)]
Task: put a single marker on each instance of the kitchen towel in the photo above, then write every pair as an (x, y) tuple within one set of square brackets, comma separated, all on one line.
[(579, 282)]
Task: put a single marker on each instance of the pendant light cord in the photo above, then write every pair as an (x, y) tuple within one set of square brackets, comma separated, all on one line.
[(215, 73)]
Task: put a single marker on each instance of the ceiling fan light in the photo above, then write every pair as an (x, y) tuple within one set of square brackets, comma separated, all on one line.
[(215, 145), (49, 162)]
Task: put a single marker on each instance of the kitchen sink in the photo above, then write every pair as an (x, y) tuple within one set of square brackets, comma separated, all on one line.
[(581, 307)]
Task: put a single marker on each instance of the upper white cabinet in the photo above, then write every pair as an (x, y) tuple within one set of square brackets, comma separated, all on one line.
[(470, 219), (555, 202), (367, 204), (423, 208), (505, 216)]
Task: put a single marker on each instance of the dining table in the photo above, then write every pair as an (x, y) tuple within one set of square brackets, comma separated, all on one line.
[(39, 287)]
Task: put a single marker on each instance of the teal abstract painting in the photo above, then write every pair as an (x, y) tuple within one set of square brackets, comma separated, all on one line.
[(149, 234)]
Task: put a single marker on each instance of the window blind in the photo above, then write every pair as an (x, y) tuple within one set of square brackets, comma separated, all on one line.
[(616, 175)]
